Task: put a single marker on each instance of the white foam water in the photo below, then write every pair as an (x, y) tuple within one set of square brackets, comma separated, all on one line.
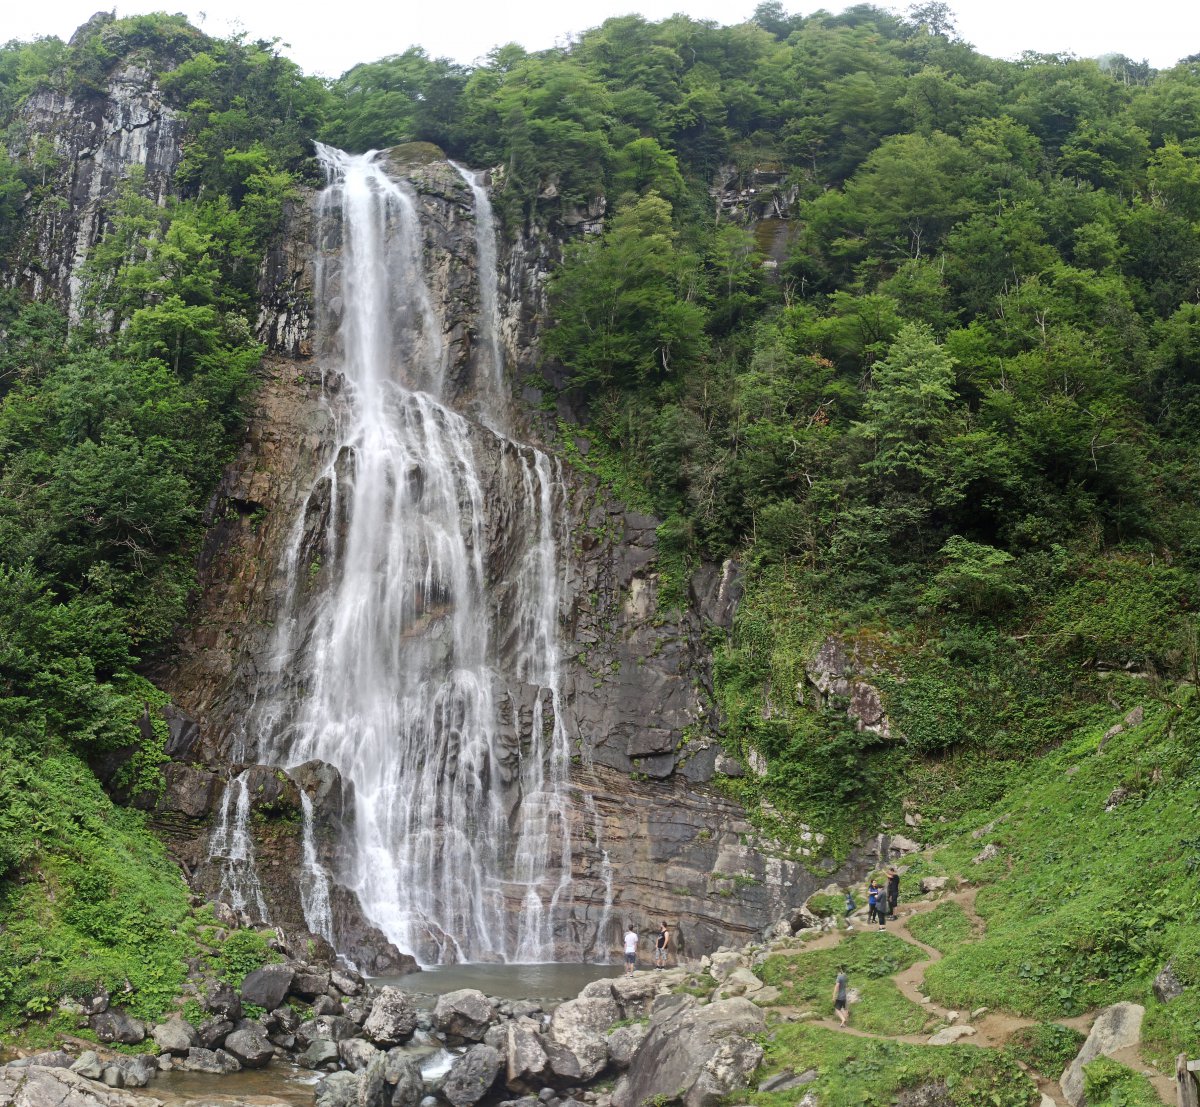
[(408, 668)]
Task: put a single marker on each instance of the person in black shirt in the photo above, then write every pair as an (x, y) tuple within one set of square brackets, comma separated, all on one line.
[(893, 891)]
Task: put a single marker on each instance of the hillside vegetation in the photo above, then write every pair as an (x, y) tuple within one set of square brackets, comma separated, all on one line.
[(910, 332)]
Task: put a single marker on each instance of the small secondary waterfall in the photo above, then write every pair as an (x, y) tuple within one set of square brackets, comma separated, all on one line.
[(427, 676), (233, 847), (489, 300)]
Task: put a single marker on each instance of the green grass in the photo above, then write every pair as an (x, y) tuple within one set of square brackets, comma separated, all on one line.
[(825, 906), (93, 902), (945, 927), (855, 1070), (1108, 1083), (1084, 906), (1046, 1047), (807, 979)]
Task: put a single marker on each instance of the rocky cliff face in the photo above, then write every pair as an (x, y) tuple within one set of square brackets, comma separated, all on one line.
[(652, 837), (82, 149)]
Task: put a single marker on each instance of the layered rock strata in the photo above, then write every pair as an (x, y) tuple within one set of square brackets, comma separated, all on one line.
[(652, 839)]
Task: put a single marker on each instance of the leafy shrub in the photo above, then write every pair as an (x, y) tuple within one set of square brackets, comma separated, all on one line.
[(1108, 1083), (1046, 1047), (243, 952)]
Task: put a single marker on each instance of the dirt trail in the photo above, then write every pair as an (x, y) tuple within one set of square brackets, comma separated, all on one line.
[(992, 1029)]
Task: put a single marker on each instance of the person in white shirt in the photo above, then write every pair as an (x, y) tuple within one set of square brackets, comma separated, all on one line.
[(631, 944)]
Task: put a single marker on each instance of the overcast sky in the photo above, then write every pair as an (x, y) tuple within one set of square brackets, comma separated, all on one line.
[(328, 38)]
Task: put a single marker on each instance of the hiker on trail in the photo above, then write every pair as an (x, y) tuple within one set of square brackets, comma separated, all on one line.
[(872, 901), (660, 946), (893, 891), (631, 944), (839, 995), (850, 905)]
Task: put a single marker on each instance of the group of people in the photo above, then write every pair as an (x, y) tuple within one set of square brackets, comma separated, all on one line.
[(662, 943), (881, 905), (881, 900)]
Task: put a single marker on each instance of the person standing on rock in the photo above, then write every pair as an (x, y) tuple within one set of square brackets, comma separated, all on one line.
[(631, 944), (660, 946), (893, 891), (839, 996)]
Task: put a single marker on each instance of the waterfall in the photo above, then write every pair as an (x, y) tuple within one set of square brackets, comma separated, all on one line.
[(427, 676), (314, 881), (489, 300), (233, 847)]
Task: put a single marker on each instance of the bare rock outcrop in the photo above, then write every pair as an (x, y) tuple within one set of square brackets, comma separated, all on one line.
[(694, 1054), (1117, 1027)]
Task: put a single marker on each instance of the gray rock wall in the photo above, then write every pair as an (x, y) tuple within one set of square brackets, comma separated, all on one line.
[(653, 838), (83, 150)]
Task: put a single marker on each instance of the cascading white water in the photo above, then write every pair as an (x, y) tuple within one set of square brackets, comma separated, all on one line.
[(314, 882), (489, 300), (400, 670), (233, 848)]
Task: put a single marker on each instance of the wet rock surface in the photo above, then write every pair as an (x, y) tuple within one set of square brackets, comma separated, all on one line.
[(636, 672), (545, 1058)]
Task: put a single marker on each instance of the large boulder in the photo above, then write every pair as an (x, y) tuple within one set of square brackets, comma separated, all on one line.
[(526, 1060), (308, 983), (408, 1086), (373, 1090), (471, 1077), (1167, 986), (338, 1089), (694, 1054), (53, 1086), (138, 1071), (392, 1019), (356, 1054), (333, 1028), (580, 1025), (54, 1058), (624, 1042), (463, 1015), (267, 987), (272, 792), (176, 1035), (213, 1032), (635, 993), (1117, 1027), (117, 1026), (250, 1046), (320, 1053), (88, 1065), (216, 1061), (222, 1000), (723, 963)]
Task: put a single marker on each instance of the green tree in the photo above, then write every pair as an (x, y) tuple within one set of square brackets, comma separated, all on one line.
[(624, 303)]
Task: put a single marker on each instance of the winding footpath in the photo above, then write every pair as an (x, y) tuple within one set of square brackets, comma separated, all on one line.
[(991, 1030)]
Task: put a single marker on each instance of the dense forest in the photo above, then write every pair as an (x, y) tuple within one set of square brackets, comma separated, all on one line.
[(910, 332)]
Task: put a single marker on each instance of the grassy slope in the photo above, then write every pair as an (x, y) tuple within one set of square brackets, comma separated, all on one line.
[(1084, 906), (93, 902)]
